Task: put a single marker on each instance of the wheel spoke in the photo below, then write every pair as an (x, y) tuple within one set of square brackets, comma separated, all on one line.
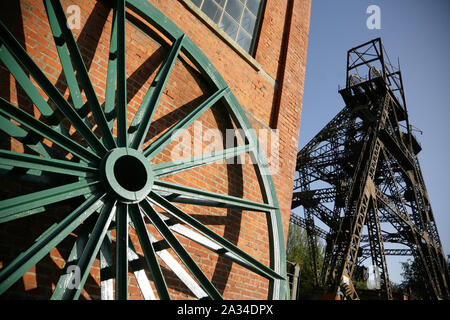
[(91, 177), (122, 135), (202, 240), (50, 239), (121, 252), (149, 253), (181, 273), (20, 134), (91, 249), (199, 227), (23, 160), (164, 230), (176, 129), (82, 72), (208, 198), (64, 58), (111, 76), (172, 167), (66, 280), (106, 264), (15, 48), (143, 117), (35, 202), (40, 128), (211, 245), (22, 79)]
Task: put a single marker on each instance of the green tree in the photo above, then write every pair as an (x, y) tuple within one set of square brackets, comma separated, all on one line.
[(298, 252), (413, 279), (397, 288)]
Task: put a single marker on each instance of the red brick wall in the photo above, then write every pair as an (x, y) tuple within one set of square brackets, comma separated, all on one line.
[(281, 52)]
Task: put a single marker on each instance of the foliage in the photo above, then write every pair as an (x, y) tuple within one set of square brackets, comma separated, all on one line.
[(360, 284), (397, 288), (413, 279), (298, 252)]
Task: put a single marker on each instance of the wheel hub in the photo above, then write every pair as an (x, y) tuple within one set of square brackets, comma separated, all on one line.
[(127, 174)]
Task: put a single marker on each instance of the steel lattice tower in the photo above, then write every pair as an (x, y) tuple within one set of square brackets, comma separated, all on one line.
[(360, 176)]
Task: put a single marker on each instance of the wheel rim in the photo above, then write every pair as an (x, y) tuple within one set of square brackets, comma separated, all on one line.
[(114, 197)]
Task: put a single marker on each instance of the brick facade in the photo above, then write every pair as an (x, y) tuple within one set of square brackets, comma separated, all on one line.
[(269, 86)]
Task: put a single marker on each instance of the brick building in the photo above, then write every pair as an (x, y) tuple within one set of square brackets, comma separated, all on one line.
[(259, 48)]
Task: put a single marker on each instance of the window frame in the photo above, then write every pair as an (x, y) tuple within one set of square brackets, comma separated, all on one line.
[(258, 22)]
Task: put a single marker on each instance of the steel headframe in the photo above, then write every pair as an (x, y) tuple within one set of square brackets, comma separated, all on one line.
[(361, 172)]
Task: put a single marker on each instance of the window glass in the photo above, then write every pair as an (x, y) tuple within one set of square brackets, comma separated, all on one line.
[(212, 10), (244, 40), (248, 21), (239, 19), (220, 2), (253, 6), (234, 8), (229, 26)]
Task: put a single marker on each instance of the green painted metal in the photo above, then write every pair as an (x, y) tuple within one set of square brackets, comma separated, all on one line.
[(32, 203), (121, 107), (198, 226), (17, 268), (111, 76), (71, 262), (221, 199), (25, 82), (62, 104), (43, 130), (149, 252), (152, 150), (104, 167), (141, 166), (23, 160), (13, 131), (145, 113), (164, 230), (121, 252), (82, 73), (64, 57), (92, 247), (172, 167)]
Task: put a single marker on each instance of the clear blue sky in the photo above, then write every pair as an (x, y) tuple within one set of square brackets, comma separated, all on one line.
[(417, 32)]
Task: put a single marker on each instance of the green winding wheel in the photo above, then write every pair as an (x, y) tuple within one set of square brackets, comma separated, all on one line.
[(113, 174)]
